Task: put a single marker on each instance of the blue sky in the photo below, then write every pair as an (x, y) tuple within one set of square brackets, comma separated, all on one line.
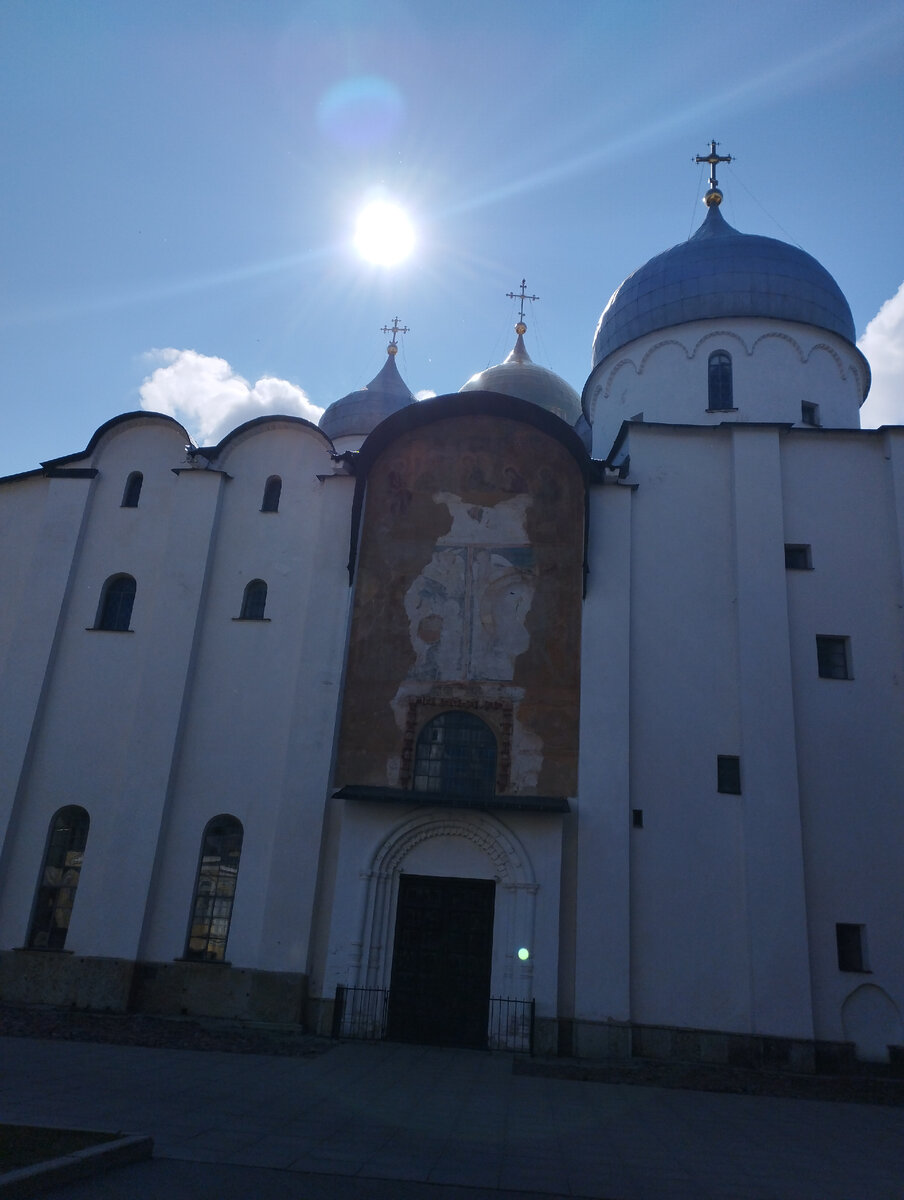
[(184, 177)]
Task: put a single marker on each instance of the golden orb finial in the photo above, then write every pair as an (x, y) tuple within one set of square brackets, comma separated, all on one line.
[(520, 328), (713, 196)]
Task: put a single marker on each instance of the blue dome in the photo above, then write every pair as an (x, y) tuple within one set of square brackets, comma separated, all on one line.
[(362, 411), (722, 273)]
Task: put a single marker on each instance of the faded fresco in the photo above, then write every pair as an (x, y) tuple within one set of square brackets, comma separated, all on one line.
[(468, 596)]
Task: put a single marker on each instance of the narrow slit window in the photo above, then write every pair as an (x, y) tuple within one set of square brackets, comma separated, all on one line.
[(218, 871), (720, 383), (254, 601), (456, 755), (116, 603), (132, 490), (59, 878), (809, 414), (272, 493), (728, 774)]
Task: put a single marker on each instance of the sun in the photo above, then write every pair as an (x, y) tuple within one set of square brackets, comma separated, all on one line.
[(384, 234)]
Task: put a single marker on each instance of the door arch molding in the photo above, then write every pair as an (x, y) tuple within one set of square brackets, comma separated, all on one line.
[(508, 863)]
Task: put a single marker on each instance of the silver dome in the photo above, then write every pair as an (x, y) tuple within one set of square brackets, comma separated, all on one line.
[(362, 411), (722, 273), (520, 376)]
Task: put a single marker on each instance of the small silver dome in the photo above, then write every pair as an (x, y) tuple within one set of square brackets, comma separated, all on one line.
[(362, 411), (722, 273), (520, 376)]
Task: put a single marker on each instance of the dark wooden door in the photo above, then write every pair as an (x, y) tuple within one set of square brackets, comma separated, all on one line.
[(439, 992)]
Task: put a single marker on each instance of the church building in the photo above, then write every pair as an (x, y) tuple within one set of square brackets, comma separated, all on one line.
[(507, 718)]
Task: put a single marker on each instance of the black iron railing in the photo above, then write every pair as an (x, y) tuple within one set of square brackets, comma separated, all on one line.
[(360, 1012), (511, 1025)]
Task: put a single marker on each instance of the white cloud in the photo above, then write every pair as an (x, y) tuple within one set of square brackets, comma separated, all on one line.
[(883, 345), (424, 394), (205, 395)]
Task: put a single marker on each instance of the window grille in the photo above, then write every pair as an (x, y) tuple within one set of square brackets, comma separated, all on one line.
[(833, 657), (254, 601), (272, 492), (132, 490), (117, 599), (59, 879), (218, 871), (720, 383), (456, 755)]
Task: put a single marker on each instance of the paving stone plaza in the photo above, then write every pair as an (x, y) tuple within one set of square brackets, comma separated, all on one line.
[(368, 1121)]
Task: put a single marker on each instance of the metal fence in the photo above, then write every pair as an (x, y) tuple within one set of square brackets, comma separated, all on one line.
[(511, 1025), (361, 1012)]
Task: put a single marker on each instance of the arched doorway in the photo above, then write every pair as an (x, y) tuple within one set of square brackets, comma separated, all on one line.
[(449, 898)]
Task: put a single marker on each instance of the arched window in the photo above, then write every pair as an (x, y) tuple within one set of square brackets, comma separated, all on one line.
[(272, 490), (132, 490), (456, 754), (117, 598), (218, 871), (720, 390), (254, 601), (59, 879)]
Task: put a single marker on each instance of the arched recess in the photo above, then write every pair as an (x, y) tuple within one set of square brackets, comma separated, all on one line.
[(507, 863), (872, 1021)]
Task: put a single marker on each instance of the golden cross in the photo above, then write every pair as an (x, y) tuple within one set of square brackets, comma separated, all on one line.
[(521, 295), (712, 158)]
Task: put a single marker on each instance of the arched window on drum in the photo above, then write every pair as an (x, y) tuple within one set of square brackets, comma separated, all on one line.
[(720, 381)]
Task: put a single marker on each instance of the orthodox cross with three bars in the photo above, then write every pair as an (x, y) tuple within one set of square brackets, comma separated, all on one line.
[(712, 158), (521, 295)]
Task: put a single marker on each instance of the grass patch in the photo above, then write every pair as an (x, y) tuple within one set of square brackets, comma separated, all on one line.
[(25, 1145)]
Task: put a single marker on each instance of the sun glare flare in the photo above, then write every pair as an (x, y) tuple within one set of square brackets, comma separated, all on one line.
[(384, 234)]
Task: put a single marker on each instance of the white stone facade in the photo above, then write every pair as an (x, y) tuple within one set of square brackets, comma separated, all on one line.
[(658, 905)]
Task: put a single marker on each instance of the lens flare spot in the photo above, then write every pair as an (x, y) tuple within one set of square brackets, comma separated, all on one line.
[(524, 954), (384, 234), (361, 112)]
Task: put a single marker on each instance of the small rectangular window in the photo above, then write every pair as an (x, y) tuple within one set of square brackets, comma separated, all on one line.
[(728, 771), (637, 818), (809, 414), (833, 656), (851, 943), (798, 558)]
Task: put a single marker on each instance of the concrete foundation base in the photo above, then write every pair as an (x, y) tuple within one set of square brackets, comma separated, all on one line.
[(165, 989), (65, 980), (612, 1040), (218, 990)]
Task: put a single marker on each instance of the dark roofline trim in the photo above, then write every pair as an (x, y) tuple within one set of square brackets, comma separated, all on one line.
[(449, 407), (387, 795), (722, 426), (474, 403), (107, 426), (212, 452)]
